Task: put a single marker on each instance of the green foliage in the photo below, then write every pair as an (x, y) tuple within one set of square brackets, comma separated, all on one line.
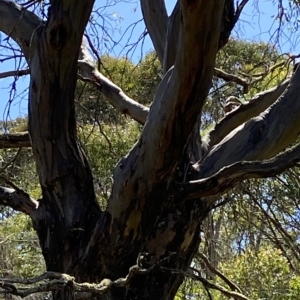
[(259, 64), (105, 145), (239, 239), (137, 81), (18, 166), (260, 275), (20, 253), (295, 287)]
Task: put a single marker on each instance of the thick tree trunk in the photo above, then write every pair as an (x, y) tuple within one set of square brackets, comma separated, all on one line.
[(146, 223), (68, 213)]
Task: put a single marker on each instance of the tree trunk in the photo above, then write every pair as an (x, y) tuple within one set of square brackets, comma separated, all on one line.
[(145, 223), (155, 211)]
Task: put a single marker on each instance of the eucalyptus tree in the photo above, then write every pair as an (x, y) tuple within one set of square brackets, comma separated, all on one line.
[(142, 245)]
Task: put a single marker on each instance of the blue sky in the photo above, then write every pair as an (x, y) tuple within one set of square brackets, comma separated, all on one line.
[(256, 23)]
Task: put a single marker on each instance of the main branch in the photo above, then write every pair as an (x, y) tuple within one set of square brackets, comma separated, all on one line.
[(19, 24), (237, 172), (245, 112), (261, 137)]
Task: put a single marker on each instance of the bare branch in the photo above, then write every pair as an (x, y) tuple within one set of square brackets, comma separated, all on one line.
[(15, 140), (239, 9), (232, 78), (18, 200), (227, 293), (156, 20), (246, 111), (208, 284), (51, 281), (14, 73), (217, 272), (237, 172), (19, 24), (114, 94)]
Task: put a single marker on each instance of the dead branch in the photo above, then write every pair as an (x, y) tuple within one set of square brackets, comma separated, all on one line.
[(51, 281), (244, 112), (208, 284), (18, 200), (239, 9), (114, 94), (15, 73), (232, 78)]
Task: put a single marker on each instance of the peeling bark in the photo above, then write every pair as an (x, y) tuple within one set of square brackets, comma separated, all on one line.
[(224, 179)]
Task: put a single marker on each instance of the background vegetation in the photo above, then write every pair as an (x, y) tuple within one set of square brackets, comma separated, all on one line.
[(251, 240)]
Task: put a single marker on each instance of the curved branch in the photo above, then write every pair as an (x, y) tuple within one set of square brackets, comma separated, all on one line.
[(208, 264), (228, 176), (112, 92), (19, 24), (232, 78), (156, 20), (255, 106), (18, 200)]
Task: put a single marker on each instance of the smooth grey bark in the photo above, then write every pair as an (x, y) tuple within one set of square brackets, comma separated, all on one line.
[(227, 176), (244, 112), (114, 95), (19, 24), (262, 137), (156, 19)]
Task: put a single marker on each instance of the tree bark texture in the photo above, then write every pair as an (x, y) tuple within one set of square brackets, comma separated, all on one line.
[(154, 213)]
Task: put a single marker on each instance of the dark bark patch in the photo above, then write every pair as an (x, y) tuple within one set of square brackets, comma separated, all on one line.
[(58, 35), (33, 86)]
